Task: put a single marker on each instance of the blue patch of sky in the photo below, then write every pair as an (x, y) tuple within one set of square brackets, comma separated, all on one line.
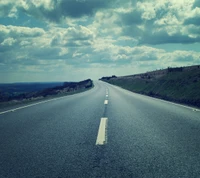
[(23, 20), (182, 47), (130, 43), (86, 21)]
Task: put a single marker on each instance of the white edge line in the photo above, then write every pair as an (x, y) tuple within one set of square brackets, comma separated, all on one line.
[(176, 104), (54, 99), (102, 132), (22, 107), (165, 101)]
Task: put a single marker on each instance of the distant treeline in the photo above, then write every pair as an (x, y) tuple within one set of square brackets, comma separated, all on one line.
[(176, 69), (108, 78)]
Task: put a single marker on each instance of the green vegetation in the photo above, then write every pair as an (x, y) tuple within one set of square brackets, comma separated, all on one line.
[(9, 96), (180, 85)]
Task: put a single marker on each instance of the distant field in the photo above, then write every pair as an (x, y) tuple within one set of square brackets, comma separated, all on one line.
[(18, 93), (180, 85), (18, 88)]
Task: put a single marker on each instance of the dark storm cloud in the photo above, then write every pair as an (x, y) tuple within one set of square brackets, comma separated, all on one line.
[(193, 20), (131, 18), (55, 10), (196, 3), (79, 8), (132, 31), (58, 10)]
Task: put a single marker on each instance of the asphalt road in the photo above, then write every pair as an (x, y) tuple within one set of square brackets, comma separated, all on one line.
[(146, 138)]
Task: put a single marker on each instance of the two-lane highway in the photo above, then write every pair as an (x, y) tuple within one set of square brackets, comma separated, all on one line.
[(144, 137), (151, 138)]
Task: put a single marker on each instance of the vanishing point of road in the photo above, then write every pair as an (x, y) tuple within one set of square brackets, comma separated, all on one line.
[(103, 132)]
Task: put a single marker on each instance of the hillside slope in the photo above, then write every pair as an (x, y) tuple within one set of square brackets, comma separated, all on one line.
[(180, 84), (64, 89)]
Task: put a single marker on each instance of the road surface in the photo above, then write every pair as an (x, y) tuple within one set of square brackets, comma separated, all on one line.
[(104, 132)]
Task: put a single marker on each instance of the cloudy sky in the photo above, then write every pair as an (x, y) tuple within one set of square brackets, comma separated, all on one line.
[(71, 40)]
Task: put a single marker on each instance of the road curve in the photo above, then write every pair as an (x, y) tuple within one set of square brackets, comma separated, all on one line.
[(144, 137)]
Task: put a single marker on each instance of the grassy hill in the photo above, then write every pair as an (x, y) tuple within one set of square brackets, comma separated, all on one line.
[(181, 84), (14, 89), (32, 91)]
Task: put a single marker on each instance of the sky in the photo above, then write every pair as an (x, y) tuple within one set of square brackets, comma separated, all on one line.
[(72, 40)]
